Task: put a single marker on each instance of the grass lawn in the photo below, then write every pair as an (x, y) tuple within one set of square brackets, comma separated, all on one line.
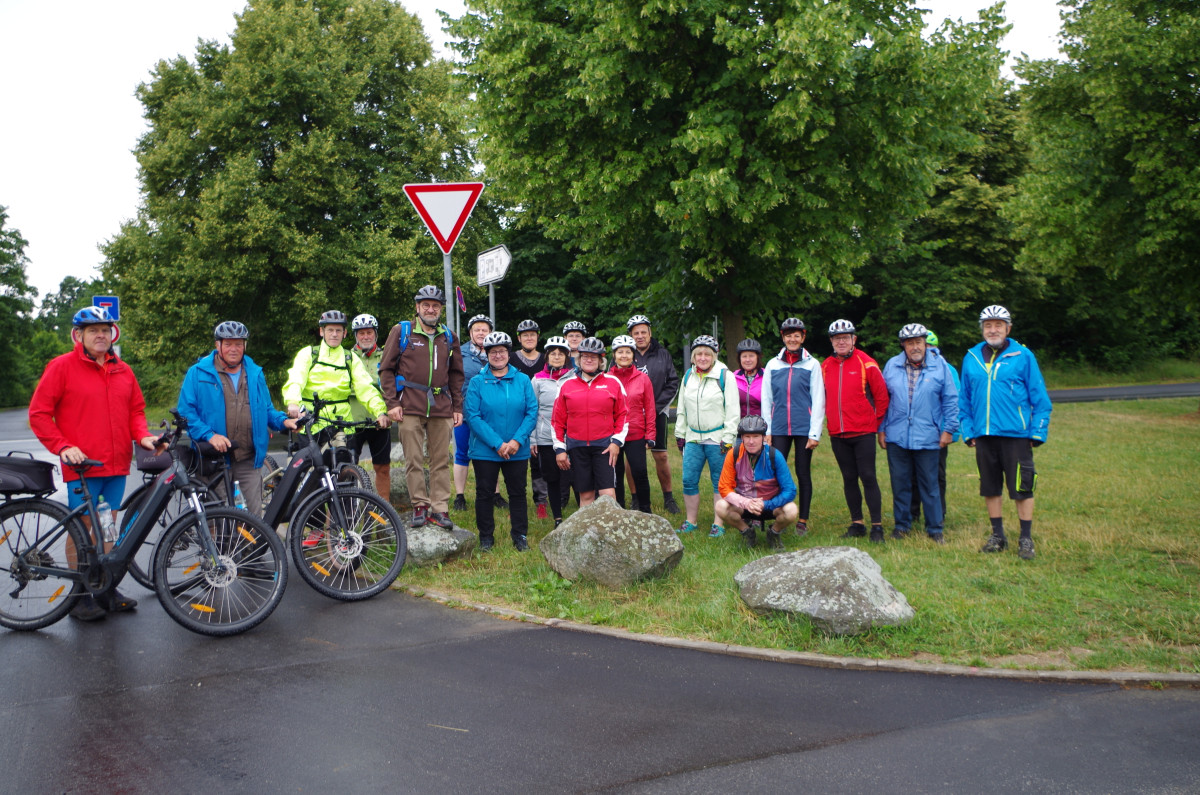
[(1115, 585), (1161, 371)]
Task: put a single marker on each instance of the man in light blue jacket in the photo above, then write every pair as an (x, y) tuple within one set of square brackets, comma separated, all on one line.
[(225, 399), (921, 419), (1005, 413)]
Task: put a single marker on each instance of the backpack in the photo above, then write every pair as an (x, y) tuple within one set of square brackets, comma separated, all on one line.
[(313, 362), (720, 378), (405, 333)]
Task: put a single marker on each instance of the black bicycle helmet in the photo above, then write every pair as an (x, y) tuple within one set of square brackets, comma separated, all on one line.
[(592, 345), (333, 318), (527, 325), (749, 345), (791, 324), (430, 293), (752, 424), (231, 330)]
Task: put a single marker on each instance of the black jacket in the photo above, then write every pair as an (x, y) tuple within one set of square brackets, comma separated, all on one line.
[(658, 364)]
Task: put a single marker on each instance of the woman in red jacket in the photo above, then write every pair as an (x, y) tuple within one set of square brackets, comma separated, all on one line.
[(856, 401), (589, 423), (639, 398)]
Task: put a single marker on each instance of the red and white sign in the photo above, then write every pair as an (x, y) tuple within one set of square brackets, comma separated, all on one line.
[(445, 208)]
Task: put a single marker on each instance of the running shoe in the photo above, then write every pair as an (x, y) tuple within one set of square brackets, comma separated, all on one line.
[(541, 511), (899, 534), (670, 506), (749, 537), (997, 543), (314, 538), (855, 531), (486, 543), (716, 531), (1025, 548), (801, 528), (686, 527), (86, 609), (876, 535), (937, 538), (774, 540), (520, 543), (420, 516), (442, 520)]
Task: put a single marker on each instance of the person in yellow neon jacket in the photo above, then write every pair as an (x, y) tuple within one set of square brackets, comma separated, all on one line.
[(334, 375)]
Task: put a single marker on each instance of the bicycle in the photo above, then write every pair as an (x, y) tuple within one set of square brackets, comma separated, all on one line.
[(217, 570)]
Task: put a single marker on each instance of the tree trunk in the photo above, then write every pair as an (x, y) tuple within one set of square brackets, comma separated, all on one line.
[(733, 325)]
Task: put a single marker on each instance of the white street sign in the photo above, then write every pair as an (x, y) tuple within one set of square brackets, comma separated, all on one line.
[(493, 264)]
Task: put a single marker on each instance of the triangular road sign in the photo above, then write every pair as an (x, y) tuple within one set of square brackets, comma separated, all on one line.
[(445, 208)]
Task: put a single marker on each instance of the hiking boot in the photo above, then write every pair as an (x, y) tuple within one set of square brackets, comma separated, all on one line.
[(937, 538), (998, 543), (749, 538), (855, 530), (420, 516), (541, 511), (876, 535), (486, 543), (500, 503), (442, 520), (716, 531), (86, 609), (774, 540), (460, 503), (1025, 548), (670, 506), (899, 534), (313, 538), (686, 527), (521, 543)]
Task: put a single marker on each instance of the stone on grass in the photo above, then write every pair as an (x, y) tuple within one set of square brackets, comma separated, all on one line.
[(841, 589), (429, 544), (400, 498), (609, 545)]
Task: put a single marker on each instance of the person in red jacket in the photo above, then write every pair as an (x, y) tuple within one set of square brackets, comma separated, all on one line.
[(589, 421), (88, 405), (856, 401), (639, 397)]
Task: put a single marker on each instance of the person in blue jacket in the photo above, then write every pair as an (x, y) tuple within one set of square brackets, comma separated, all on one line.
[(500, 408), (921, 419), (1005, 413), (932, 341), (225, 399)]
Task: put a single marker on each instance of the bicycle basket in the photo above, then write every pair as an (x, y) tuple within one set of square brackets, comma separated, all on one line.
[(20, 475)]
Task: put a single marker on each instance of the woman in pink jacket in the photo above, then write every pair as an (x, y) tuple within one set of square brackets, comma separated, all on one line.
[(639, 398)]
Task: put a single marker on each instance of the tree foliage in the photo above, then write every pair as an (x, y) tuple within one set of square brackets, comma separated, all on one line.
[(272, 176), (741, 155), (16, 304), (1110, 206)]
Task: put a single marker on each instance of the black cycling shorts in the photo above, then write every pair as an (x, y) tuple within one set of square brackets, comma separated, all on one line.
[(380, 442), (1005, 460), (590, 470), (660, 434), (764, 517)]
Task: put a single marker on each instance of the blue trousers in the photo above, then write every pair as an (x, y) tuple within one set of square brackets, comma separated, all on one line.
[(902, 464)]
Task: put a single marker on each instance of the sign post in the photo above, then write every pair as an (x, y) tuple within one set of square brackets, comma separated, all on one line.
[(491, 267), (445, 208)]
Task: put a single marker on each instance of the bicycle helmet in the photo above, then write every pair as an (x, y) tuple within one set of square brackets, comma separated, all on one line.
[(791, 324), (364, 321), (623, 341), (752, 424), (497, 339), (527, 325), (560, 343), (333, 318), (592, 345), (636, 320), (481, 319), (913, 330), (841, 327), (91, 316), (995, 312), (931, 339), (430, 293), (705, 341), (231, 330), (749, 345), (575, 325)]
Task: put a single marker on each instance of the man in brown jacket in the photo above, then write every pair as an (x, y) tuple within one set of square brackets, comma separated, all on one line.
[(422, 378)]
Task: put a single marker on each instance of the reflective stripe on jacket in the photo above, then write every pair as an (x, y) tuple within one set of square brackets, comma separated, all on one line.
[(1007, 398)]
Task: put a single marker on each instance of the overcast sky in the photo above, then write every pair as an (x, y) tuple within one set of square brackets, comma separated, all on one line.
[(68, 71)]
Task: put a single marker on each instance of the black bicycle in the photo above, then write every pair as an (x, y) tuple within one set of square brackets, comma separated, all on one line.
[(217, 570)]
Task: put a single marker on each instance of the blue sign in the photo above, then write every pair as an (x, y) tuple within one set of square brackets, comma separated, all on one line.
[(109, 302)]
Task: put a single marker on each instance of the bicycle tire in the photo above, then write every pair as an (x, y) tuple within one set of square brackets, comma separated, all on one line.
[(26, 528), (272, 474), (141, 565), (353, 475), (363, 563), (205, 600)]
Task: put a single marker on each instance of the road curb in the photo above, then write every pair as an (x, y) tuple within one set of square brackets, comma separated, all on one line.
[(1124, 678)]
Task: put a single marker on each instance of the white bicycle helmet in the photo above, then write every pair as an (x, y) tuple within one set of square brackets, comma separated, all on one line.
[(636, 320), (481, 319), (706, 341), (592, 345), (841, 327), (560, 343), (231, 330), (497, 339), (913, 330), (995, 312), (623, 341), (527, 325), (364, 321), (575, 325)]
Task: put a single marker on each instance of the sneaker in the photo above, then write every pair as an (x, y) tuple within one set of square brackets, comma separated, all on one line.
[(670, 506), (749, 538), (855, 531), (442, 520), (486, 543), (801, 528), (121, 603), (521, 543), (557, 522), (937, 538), (314, 538), (686, 527), (774, 540), (500, 503), (1025, 548), (86, 609), (420, 515), (876, 535), (460, 503), (899, 534), (541, 511), (998, 543), (716, 531)]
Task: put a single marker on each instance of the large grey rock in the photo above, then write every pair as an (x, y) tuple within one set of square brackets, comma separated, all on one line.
[(429, 544), (612, 546), (841, 589), (400, 496)]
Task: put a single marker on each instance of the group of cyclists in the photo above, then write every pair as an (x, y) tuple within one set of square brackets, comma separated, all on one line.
[(580, 416)]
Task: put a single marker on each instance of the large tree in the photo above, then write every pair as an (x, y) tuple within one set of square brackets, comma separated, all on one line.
[(16, 303), (272, 176), (1110, 205), (729, 156)]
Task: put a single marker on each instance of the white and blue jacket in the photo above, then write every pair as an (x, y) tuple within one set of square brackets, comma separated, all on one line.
[(793, 396)]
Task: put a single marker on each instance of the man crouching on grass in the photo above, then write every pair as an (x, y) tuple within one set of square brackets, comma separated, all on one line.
[(756, 486)]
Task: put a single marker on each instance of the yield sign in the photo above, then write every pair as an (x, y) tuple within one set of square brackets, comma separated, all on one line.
[(445, 208)]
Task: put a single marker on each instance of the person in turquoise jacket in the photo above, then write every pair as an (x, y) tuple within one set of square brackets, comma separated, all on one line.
[(944, 455), (224, 399), (1005, 413), (501, 410)]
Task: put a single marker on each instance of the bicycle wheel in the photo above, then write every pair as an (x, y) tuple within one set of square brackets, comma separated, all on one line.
[(31, 533), (272, 474), (223, 599), (141, 565), (353, 475), (348, 563)]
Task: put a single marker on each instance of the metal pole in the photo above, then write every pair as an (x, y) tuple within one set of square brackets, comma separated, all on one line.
[(492, 302), (451, 299)]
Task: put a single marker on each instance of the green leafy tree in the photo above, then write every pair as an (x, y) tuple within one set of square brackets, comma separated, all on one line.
[(57, 308), (16, 303), (737, 154), (272, 176), (1110, 205)]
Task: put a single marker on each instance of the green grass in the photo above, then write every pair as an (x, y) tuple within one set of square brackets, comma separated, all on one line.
[(1161, 371), (1115, 584)]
